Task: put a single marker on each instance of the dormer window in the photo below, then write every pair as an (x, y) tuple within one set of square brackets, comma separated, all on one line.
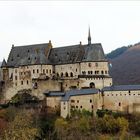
[(89, 64), (96, 64)]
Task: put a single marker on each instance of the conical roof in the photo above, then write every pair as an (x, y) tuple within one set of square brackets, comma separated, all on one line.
[(4, 64)]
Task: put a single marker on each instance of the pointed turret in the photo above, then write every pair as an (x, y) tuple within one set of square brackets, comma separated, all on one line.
[(89, 37), (4, 64)]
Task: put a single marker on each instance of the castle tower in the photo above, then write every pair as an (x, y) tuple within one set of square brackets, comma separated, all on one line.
[(89, 37)]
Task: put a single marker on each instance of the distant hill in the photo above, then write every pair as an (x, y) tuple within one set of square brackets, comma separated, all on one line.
[(125, 64), (116, 52)]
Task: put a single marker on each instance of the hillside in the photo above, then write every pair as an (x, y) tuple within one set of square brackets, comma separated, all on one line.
[(126, 66)]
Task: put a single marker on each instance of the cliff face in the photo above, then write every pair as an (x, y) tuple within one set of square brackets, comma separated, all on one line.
[(126, 67)]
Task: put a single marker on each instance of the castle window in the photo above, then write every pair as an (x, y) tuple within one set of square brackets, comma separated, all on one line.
[(27, 82), (105, 72), (133, 94), (91, 72), (89, 64), (92, 85), (119, 104), (18, 55), (76, 70), (64, 108), (102, 72), (88, 72), (33, 71), (28, 51), (15, 84), (21, 82), (28, 58), (66, 74), (57, 74), (43, 71), (72, 101), (37, 70), (129, 91), (50, 71), (77, 101), (62, 74), (71, 74), (96, 64), (80, 106), (92, 106), (72, 106), (90, 101), (46, 70), (83, 72), (76, 106), (15, 77), (64, 103)]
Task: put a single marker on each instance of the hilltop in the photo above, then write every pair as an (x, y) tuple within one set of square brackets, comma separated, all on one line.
[(126, 64)]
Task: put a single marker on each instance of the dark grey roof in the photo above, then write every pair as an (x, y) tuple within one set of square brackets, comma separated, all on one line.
[(43, 54), (53, 93), (77, 53), (122, 88), (78, 92), (4, 64), (28, 55)]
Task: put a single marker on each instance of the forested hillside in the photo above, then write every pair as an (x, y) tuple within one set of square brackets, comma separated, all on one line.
[(125, 64)]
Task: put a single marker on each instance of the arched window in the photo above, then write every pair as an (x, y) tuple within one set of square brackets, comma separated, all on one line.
[(71, 74), (102, 72), (66, 74), (92, 85), (61, 74), (57, 74)]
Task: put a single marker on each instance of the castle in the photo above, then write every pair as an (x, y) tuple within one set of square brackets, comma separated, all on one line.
[(71, 77)]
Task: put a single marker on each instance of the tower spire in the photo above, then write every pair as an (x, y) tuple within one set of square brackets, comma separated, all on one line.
[(89, 37)]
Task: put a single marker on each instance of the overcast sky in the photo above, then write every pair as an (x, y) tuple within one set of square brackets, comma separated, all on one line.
[(114, 24)]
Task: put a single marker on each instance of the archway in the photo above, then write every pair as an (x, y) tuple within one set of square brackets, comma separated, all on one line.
[(92, 85)]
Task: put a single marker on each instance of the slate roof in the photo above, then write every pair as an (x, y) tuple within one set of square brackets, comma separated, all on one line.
[(78, 93), (4, 64), (42, 54), (53, 93), (77, 53), (28, 55), (122, 88)]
